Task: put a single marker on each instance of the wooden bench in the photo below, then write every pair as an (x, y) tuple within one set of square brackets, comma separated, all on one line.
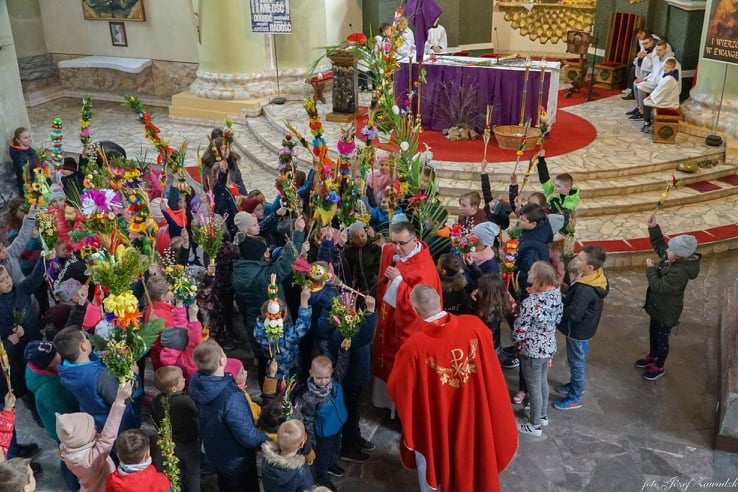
[(318, 82), (666, 124)]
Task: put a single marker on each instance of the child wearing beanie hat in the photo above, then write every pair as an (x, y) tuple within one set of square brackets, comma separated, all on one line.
[(667, 281), (86, 454)]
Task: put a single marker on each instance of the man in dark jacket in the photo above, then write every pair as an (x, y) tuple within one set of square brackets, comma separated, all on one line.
[(665, 295), (226, 423), (534, 238), (583, 303)]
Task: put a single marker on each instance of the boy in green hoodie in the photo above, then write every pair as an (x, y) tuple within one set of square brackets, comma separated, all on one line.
[(583, 303), (562, 197)]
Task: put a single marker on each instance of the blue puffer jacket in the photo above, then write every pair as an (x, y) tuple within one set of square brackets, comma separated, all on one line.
[(289, 344), (226, 423), (95, 388)]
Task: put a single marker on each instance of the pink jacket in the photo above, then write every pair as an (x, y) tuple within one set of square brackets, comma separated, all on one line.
[(91, 463), (183, 358)]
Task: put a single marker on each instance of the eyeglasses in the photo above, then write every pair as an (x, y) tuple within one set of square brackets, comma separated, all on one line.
[(403, 243)]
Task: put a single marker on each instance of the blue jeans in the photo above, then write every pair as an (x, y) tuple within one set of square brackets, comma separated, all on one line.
[(576, 356)]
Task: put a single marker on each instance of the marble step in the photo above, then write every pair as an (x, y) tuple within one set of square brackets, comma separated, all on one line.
[(641, 201), (500, 171), (595, 188)]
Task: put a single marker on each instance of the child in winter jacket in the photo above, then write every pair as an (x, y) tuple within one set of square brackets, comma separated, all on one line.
[(562, 197), (86, 453), (135, 473), (7, 424), (185, 426), (583, 304), (667, 281), (324, 412), (535, 333), (178, 344), (226, 424), (84, 375), (283, 468), (285, 350)]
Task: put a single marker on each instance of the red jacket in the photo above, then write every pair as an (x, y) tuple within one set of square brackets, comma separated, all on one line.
[(7, 424), (452, 398), (147, 480), (162, 310)]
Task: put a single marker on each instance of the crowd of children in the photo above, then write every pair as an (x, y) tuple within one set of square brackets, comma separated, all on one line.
[(286, 276)]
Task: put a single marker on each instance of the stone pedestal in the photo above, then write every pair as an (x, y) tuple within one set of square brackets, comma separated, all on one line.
[(345, 88)]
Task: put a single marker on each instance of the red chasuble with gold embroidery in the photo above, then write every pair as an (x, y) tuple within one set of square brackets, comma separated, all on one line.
[(453, 401), (396, 324)]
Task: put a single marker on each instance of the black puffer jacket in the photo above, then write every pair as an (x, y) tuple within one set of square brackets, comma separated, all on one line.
[(583, 305)]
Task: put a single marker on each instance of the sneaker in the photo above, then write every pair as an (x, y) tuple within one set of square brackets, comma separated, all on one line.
[(636, 117), (336, 470), (632, 112), (653, 373), (510, 363), (366, 445), (519, 397), (563, 388), (354, 455), (544, 419), (628, 97), (645, 361), (567, 404), (530, 429)]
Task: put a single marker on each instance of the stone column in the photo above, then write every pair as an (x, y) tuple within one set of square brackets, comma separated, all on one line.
[(12, 106), (700, 110), (232, 58), (297, 51)]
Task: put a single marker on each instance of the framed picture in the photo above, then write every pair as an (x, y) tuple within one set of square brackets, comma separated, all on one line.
[(118, 34), (115, 10)]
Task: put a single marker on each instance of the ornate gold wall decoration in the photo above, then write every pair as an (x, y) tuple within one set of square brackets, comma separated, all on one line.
[(546, 22)]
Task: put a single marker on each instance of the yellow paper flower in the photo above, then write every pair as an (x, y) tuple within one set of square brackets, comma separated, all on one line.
[(121, 304)]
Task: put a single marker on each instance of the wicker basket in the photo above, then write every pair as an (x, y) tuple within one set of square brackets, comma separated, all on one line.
[(508, 137)]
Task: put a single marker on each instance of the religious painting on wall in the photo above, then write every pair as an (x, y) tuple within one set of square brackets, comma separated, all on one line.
[(721, 42), (115, 10)]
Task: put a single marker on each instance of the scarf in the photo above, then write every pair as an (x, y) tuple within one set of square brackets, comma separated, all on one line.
[(320, 392), (480, 257)]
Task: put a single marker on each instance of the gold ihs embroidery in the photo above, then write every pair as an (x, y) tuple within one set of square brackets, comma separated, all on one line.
[(461, 366)]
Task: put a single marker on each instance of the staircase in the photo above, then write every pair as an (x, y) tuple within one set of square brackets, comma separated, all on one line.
[(621, 176)]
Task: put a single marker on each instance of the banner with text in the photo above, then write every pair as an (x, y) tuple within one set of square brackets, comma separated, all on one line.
[(721, 43), (271, 16)]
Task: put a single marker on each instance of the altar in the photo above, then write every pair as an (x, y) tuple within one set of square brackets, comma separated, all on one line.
[(459, 88)]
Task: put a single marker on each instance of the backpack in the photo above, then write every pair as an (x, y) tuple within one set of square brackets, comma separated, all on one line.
[(331, 414)]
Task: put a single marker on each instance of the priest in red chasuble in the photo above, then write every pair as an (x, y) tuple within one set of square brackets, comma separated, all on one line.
[(406, 262), (458, 426)]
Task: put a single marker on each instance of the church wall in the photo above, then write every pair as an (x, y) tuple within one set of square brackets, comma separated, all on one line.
[(167, 34)]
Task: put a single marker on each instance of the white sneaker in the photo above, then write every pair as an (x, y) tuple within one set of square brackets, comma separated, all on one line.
[(626, 92), (530, 429), (544, 419)]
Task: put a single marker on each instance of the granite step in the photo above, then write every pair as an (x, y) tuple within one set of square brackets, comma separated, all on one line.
[(597, 188), (642, 201), (500, 171)]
